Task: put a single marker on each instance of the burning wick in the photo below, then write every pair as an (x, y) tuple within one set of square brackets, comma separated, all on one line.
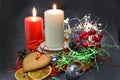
[(34, 12), (54, 6)]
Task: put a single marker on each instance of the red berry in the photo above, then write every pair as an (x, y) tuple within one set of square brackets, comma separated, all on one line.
[(98, 39), (79, 40), (93, 32), (94, 38), (100, 35), (81, 35), (85, 44), (98, 45), (92, 43), (85, 37), (84, 33), (89, 32)]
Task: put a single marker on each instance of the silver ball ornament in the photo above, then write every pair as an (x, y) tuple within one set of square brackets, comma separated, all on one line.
[(73, 71), (54, 59)]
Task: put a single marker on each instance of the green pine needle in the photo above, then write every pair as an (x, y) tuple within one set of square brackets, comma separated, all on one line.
[(55, 78)]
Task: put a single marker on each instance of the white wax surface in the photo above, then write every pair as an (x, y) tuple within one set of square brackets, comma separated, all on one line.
[(54, 28)]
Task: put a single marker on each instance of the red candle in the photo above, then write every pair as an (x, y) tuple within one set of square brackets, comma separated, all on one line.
[(33, 27)]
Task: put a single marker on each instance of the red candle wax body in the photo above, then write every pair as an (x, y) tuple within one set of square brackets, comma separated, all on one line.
[(33, 28)]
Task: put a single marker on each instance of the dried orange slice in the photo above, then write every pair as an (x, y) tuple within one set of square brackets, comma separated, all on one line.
[(20, 75), (40, 74)]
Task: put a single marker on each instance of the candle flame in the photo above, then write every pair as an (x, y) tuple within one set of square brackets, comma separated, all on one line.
[(34, 12), (54, 6)]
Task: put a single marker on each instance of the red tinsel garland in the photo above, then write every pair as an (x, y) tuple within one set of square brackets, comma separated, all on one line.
[(33, 45)]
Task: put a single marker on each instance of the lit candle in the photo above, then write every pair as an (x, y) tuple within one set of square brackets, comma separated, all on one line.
[(54, 30), (33, 27)]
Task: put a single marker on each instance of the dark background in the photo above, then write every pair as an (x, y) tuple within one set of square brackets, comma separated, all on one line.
[(13, 12)]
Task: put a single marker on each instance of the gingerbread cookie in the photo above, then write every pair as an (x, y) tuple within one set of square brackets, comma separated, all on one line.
[(35, 61)]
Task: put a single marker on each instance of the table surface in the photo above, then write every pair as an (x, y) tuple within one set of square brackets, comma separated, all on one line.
[(12, 32)]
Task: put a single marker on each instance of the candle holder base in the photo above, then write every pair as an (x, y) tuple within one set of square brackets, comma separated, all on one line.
[(45, 49)]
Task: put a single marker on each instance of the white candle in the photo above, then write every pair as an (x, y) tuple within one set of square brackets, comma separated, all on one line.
[(54, 27)]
